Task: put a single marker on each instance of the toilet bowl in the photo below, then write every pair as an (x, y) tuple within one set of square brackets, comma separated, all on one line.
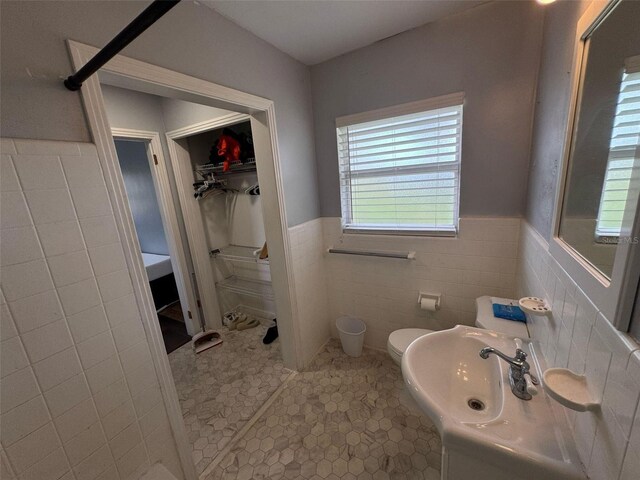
[(399, 340)]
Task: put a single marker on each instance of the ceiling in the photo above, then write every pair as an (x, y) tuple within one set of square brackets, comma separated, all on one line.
[(313, 31)]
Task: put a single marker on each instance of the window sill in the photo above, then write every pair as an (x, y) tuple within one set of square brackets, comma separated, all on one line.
[(400, 233)]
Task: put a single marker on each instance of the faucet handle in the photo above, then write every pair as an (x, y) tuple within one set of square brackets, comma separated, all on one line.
[(531, 382), (521, 355)]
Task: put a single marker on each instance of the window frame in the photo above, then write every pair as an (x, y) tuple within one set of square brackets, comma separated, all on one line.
[(435, 103)]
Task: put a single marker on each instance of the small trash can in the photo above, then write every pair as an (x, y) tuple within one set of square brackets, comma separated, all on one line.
[(351, 330)]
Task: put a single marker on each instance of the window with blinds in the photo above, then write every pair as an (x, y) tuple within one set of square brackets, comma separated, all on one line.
[(624, 153), (400, 168)]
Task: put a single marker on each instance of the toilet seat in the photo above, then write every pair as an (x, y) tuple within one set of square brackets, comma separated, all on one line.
[(399, 340)]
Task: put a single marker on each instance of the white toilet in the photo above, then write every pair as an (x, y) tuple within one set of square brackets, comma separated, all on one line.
[(399, 340)]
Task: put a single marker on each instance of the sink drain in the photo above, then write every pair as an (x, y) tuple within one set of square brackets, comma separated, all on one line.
[(475, 404)]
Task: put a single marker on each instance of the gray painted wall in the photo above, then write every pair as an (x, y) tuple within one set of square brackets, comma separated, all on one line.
[(141, 193), (552, 109), (191, 39), (490, 52)]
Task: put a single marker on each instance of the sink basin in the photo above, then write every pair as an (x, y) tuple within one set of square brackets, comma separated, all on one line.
[(486, 431)]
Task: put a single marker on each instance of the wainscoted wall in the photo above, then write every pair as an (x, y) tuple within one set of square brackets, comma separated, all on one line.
[(80, 395), (311, 289), (577, 336), (384, 292)]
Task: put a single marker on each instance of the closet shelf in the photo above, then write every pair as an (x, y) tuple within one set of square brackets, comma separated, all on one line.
[(244, 286), (234, 169), (236, 253)]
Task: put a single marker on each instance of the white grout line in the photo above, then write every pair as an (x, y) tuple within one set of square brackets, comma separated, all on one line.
[(242, 432)]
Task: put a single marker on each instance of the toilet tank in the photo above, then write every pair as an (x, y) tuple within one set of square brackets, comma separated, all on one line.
[(486, 320)]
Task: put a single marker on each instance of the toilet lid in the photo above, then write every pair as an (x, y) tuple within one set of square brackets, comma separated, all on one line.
[(401, 339)]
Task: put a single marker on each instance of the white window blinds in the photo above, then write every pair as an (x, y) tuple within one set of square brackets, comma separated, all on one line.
[(401, 173), (624, 153)]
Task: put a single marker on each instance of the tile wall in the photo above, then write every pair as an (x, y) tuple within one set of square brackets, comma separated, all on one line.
[(482, 260), (80, 397), (311, 288), (579, 337)]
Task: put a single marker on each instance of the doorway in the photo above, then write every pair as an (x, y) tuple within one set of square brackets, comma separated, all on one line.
[(142, 77), (136, 161)]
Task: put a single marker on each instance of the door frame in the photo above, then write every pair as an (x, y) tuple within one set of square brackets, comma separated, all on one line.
[(141, 76), (177, 248), (181, 166)]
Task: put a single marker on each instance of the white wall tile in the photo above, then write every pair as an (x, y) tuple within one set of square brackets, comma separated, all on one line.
[(85, 443), (88, 323), (54, 318), (91, 201), (127, 334), (77, 419), (18, 245), (38, 444), (95, 464), (124, 309), (22, 420), (39, 172), (12, 356), (595, 347), (95, 350), (51, 467), (50, 206), (37, 311), (60, 238), (8, 176), (25, 279), (70, 268), (7, 325), (126, 440), (107, 258), (45, 147), (17, 388), (631, 465), (99, 230), (13, 210), (46, 341), (57, 368), (82, 171), (133, 463), (118, 419), (118, 393), (67, 395), (79, 297), (114, 285), (104, 374)]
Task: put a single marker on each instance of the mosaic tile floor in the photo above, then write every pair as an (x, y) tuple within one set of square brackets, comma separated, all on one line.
[(342, 418), (221, 388)]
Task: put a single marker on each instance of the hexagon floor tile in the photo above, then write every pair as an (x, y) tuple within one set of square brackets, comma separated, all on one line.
[(342, 418), (223, 387)]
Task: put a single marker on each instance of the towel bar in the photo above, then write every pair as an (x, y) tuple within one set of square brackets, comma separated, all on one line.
[(371, 253)]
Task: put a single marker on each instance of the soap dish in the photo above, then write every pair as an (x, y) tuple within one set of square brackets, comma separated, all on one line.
[(569, 389), (534, 306)]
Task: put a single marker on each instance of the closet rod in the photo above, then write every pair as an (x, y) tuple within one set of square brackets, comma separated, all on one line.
[(139, 24)]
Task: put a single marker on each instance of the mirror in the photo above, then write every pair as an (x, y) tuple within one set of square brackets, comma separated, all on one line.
[(601, 190)]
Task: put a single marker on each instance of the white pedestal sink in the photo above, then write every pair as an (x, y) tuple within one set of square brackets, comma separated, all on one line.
[(487, 432)]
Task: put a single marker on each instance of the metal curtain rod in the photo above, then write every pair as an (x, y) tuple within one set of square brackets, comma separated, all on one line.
[(139, 24)]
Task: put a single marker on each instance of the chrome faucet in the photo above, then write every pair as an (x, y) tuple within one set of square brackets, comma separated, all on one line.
[(518, 369)]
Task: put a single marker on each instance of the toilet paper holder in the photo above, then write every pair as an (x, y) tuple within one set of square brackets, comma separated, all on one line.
[(434, 297)]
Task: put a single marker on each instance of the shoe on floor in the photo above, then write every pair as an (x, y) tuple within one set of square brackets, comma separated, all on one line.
[(247, 324), (272, 333)]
